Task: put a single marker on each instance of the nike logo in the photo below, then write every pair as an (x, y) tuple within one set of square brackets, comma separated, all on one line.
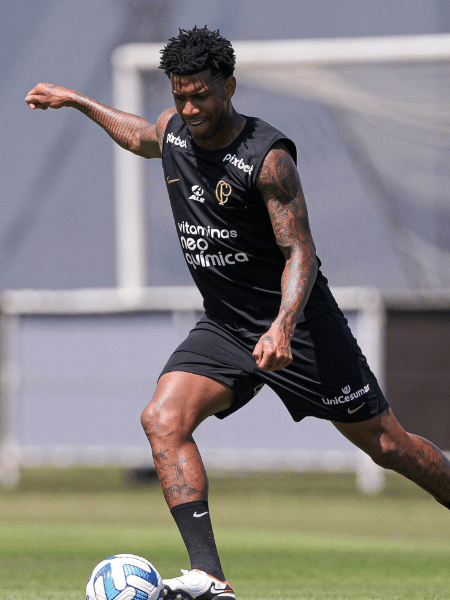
[(352, 411), (197, 515), (169, 181), (214, 590)]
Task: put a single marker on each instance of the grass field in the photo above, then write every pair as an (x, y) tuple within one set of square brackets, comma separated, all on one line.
[(282, 536)]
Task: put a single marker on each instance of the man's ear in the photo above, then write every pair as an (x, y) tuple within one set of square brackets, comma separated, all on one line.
[(230, 87)]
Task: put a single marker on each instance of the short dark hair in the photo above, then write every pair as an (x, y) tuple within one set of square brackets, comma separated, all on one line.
[(197, 50)]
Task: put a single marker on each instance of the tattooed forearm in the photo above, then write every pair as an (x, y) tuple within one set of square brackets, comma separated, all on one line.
[(297, 280), (125, 129), (129, 131), (281, 189)]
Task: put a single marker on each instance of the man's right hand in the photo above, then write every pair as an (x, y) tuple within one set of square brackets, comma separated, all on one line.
[(47, 95)]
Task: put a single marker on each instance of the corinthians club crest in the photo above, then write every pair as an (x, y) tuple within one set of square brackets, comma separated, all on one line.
[(223, 190)]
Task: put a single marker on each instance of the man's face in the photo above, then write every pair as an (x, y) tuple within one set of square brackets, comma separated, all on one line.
[(204, 104)]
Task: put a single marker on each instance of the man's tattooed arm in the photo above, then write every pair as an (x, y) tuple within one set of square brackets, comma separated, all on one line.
[(129, 131), (280, 186)]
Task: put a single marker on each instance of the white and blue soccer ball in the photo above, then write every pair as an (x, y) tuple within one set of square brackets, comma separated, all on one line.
[(125, 577)]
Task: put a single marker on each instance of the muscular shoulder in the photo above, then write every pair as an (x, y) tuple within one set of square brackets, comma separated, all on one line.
[(150, 136), (161, 124), (278, 177)]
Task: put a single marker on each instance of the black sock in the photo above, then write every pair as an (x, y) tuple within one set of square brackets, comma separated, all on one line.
[(194, 523), (446, 504)]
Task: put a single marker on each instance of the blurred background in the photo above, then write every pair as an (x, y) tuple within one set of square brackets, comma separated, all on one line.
[(373, 157)]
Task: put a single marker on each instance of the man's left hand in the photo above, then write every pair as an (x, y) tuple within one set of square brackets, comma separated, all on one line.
[(273, 351)]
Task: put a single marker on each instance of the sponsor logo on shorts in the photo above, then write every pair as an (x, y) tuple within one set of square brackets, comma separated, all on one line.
[(347, 397)]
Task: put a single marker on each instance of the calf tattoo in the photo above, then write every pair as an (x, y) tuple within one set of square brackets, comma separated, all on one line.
[(174, 478)]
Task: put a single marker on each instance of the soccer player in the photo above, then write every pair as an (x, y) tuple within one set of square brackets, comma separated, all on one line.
[(269, 315)]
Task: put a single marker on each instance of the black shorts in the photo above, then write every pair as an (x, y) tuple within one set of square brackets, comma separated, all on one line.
[(329, 377)]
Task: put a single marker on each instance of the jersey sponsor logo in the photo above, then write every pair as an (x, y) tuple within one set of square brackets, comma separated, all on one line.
[(214, 260), (223, 191), (175, 140), (238, 162), (347, 397), (208, 232), (197, 193), (198, 239)]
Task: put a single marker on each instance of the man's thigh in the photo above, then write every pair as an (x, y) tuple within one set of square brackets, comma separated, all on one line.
[(216, 354), (186, 399)]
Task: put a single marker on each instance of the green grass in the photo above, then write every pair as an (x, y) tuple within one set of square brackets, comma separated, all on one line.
[(282, 536)]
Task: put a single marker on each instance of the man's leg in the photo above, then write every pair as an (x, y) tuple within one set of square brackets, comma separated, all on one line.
[(391, 447), (180, 403)]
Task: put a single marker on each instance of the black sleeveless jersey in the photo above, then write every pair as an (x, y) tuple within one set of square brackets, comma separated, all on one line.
[(224, 227)]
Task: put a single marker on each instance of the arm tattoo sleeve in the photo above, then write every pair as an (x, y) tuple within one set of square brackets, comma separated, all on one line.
[(280, 186), (125, 129)]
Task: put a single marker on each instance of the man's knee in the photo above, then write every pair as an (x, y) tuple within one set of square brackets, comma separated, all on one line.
[(385, 451), (382, 438), (181, 402), (159, 422)]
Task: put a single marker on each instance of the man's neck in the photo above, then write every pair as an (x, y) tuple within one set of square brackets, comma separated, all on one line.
[(228, 132)]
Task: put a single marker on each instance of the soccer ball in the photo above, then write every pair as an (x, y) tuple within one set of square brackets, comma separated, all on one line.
[(124, 577)]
